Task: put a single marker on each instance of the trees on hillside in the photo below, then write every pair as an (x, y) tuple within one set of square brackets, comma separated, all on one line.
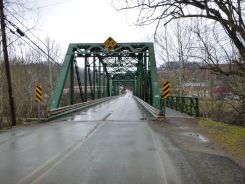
[(27, 71)]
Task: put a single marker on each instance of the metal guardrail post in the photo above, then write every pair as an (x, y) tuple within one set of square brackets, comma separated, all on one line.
[(171, 105), (191, 106), (197, 107), (162, 107), (182, 104), (177, 103)]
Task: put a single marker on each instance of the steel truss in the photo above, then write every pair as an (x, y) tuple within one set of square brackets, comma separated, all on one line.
[(129, 64)]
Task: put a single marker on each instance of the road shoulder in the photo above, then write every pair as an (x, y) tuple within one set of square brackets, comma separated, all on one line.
[(197, 158)]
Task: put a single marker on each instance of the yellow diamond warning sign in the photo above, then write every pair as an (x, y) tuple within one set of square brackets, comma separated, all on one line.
[(110, 43)]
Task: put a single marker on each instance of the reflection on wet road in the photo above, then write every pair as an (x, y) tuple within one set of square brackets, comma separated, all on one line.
[(106, 144)]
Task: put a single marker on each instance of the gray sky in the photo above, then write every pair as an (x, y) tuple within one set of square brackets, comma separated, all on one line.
[(84, 21)]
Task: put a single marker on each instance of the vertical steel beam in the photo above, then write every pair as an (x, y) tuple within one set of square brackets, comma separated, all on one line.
[(71, 82), (99, 82), (112, 88), (85, 79), (104, 84), (154, 79), (135, 85), (139, 77), (142, 77), (94, 78), (149, 82), (116, 88), (78, 79), (55, 100), (108, 86), (145, 77), (90, 82)]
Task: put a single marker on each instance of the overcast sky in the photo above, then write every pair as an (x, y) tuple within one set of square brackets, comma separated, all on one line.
[(83, 21)]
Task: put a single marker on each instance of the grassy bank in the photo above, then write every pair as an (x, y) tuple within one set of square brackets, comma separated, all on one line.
[(229, 137)]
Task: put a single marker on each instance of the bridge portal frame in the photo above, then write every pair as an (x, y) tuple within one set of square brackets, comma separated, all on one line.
[(141, 66)]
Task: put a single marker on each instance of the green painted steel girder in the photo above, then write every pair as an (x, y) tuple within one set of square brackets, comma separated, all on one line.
[(55, 100), (128, 62), (154, 78)]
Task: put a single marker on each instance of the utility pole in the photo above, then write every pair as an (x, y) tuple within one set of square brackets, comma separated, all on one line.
[(6, 61)]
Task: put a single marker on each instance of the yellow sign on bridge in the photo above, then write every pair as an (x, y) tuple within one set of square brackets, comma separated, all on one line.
[(110, 43)]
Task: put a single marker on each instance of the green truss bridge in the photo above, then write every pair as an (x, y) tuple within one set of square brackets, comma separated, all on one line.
[(131, 65), (109, 68)]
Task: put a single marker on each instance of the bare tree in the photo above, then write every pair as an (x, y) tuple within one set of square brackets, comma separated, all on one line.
[(229, 14), (216, 52), (53, 50), (174, 46)]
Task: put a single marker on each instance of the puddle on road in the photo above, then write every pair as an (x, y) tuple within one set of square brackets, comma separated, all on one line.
[(83, 116), (197, 136), (184, 128), (144, 117), (78, 117)]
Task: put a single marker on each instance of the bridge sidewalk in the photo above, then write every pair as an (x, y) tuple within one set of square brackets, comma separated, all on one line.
[(170, 113)]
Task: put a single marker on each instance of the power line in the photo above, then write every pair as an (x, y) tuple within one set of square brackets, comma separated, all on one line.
[(13, 32), (30, 31), (53, 4), (42, 50), (22, 34)]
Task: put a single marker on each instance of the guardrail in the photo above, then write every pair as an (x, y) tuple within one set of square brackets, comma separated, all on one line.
[(189, 105), (62, 111), (152, 110)]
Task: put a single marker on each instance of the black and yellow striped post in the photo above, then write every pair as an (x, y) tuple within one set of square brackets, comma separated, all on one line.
[(39, 94), (165, 90), (165, 94), (39, 97)]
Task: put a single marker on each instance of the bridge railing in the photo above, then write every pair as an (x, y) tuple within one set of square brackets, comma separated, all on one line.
[(62, 111), (152, 110), (189, 105)]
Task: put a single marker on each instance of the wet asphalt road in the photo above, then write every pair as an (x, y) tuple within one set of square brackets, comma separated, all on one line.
[(107, 144)]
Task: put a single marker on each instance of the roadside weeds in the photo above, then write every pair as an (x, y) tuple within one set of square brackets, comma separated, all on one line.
[(229, 138)]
